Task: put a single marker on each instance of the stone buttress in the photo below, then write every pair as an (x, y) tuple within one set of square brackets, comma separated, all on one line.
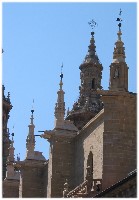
[(60, 166)]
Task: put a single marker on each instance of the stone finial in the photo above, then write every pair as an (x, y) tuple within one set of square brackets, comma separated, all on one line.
[(66, 189), (3, 89), (11, 152), (8, 95)]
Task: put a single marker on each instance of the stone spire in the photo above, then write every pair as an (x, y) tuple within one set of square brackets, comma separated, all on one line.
[(89, 103), (30, 141), (60, 105), (118, 67)]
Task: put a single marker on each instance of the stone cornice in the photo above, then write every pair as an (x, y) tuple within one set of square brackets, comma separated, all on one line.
[(11, 182), (30, 163), (115, 93)]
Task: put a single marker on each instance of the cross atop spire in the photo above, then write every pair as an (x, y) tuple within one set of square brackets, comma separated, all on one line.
[(32, 111), (32, 106), (61, 76)]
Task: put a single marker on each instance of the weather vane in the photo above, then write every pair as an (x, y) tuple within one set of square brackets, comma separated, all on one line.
[(93, 24), (119, 20)]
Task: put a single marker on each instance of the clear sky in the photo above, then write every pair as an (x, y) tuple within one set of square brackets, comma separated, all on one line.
[(37, 38)]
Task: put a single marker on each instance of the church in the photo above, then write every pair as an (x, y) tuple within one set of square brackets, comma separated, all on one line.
[(92, 148)]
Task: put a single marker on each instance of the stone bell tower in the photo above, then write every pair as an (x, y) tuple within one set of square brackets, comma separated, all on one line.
[(119, 68), (119, 136), (89, 103)]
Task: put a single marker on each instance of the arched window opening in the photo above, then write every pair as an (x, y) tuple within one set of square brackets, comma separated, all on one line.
[(90, 162), (93, 83)]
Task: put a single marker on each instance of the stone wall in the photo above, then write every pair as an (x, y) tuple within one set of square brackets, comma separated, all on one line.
[(119, 147), (49, 171), (45, 179), (90, 139)]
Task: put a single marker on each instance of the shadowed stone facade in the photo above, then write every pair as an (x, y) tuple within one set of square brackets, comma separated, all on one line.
[(32, 178), (92, 148), (6, 107)]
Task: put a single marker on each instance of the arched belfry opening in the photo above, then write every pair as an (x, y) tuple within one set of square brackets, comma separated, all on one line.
[(93, 83)]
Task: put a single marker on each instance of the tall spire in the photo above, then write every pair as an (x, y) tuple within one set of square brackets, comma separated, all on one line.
[(119, 50), (30, 141), (60, 105), (118, 67)]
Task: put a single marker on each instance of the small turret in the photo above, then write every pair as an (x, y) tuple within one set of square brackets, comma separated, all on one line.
[(119, 68), (30, 141)]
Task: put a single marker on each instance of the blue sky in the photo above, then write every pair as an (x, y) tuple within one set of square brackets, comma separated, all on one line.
[(38, 37)]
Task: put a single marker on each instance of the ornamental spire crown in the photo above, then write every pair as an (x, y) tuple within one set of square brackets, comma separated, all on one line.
[(119, 49), (92, 57)]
